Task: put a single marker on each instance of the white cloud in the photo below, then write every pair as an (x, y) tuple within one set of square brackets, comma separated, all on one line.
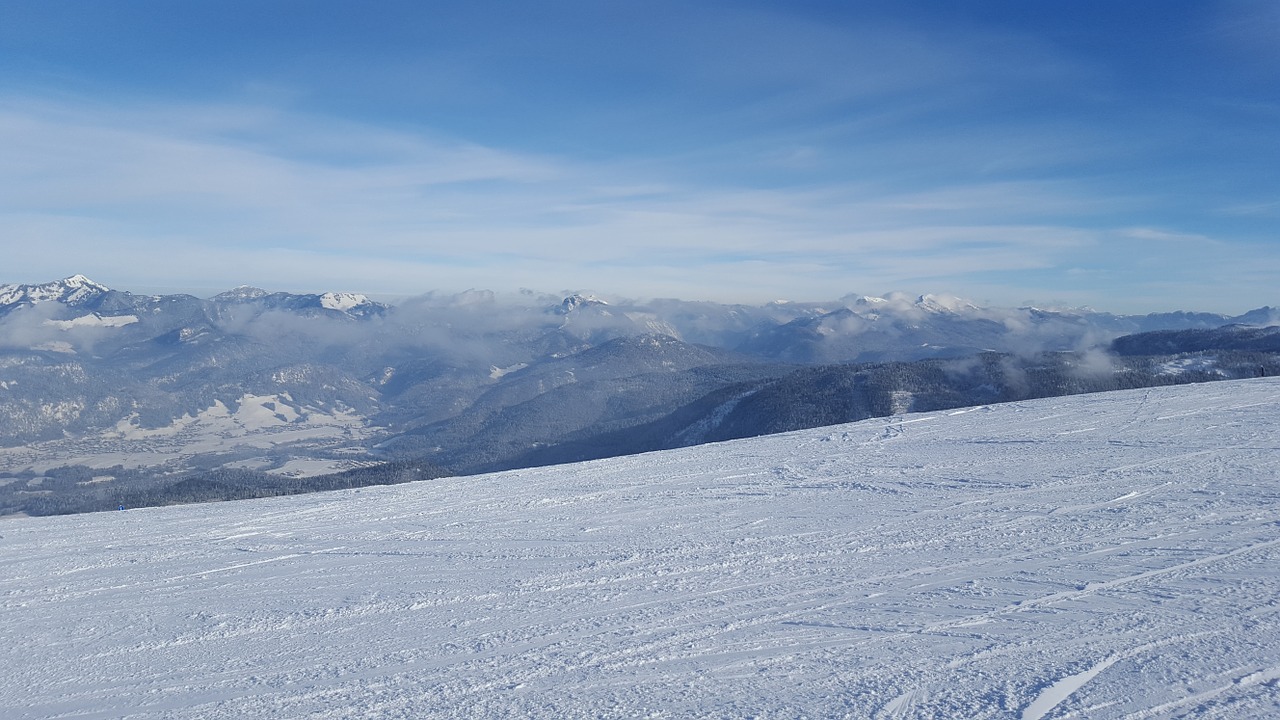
[(1155, 234), (216, 196)]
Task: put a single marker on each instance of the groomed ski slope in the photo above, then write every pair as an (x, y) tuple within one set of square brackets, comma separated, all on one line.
[(1100, 556)]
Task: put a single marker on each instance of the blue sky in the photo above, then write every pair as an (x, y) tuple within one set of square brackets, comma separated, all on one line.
[(1122, 155)]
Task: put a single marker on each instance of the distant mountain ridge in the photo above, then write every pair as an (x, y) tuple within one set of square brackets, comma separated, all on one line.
[(305, 384), (851, 329), (354, 305)]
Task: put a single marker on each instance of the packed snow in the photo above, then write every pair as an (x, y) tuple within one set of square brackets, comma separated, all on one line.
[(496, 372), (1102, 556)]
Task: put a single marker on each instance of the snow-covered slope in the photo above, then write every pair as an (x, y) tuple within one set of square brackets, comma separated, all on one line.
[(1103, 556)]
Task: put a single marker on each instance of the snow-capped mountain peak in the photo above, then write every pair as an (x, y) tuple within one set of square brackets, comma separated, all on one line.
[(74, 290), (342, 301), (944, 303), (242, 293), (577, 301), (79, 280)]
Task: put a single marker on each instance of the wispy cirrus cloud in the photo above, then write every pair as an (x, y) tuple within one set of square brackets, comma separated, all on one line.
[(732, 151), (219, 195)]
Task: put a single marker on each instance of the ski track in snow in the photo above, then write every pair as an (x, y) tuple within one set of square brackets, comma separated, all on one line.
[(1098, 556)]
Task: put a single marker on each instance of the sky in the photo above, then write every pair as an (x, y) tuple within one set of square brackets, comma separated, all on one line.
[(1118, 155)]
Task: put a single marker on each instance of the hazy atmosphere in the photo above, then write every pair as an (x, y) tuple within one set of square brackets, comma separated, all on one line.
[(1116, 155)]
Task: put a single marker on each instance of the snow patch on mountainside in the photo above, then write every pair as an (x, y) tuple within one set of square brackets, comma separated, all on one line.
[(496, 373), (58, 346), (697, 432), (1193, 364), (900, 401), (311, 467), (93, 320)]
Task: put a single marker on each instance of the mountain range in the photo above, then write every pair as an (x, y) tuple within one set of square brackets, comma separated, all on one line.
[(148, 388)]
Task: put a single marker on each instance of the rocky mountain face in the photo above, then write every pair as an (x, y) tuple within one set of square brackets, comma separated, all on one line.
[(300, 385)]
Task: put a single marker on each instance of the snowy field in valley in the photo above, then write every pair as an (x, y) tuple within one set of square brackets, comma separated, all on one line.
[(262, 432), (1102, 556)]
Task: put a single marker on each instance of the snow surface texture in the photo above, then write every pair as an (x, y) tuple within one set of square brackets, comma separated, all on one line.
[(1100, 556)]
